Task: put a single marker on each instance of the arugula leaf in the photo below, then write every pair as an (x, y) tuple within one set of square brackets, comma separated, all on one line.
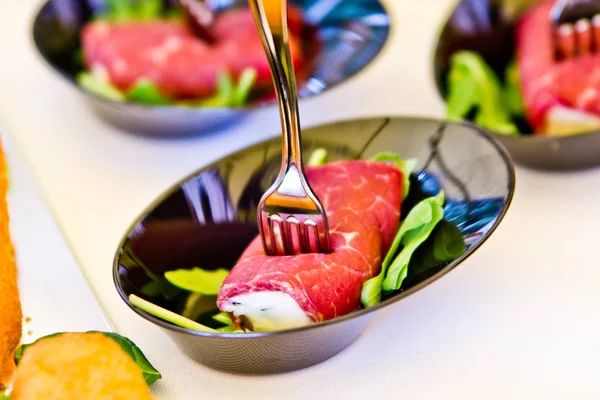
[(96, 86), (223, 318), (167, 315), (244, 87), (405, 166), (473, 85), (224, 94), (144, 91), (150, 373), (317, 158), (198, 280), (512, 90), (161, 287), (416, 227)]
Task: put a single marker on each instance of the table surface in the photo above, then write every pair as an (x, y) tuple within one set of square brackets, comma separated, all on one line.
[(519, 319)]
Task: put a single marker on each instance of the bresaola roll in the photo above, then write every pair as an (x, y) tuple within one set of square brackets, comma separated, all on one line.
[(559, 97), (362, 200)]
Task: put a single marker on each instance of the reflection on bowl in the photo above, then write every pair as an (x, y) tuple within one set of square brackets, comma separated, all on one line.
[(341, 38), (208, 219), (490, 33)]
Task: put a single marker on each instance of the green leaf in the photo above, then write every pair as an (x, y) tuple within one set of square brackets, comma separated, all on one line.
[(167, 315), (131, 10), (405, 166), (101, 89), (198, 280), (473, 85), (144, 91), (19, 352), (224, 94), (416, 227), (317, 158), (245, 84), (148, 9), (4, 396), (223, 318), (150, 373), (512, 90), (448, 243), (161, 287)]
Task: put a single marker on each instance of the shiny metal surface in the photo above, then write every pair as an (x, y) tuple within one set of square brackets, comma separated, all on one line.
[(487, 27), (343, 38), (209, 217), (576, 27), (291, 219)]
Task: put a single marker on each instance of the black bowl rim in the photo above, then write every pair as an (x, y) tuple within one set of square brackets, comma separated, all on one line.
[(256, 106), (355, 314), (521, 137)]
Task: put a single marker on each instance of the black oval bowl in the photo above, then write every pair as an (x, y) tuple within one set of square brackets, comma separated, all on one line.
[(494, 41), (208, 218), (339, 42)]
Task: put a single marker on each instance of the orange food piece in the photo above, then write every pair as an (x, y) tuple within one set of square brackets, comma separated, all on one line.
[(10, 304), (86, 366)]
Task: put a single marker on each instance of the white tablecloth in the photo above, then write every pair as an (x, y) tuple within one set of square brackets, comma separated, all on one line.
[(519, 319)]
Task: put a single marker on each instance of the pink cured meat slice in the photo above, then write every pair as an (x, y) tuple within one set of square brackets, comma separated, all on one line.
[(179, 63), (545, 83), (362, 200)]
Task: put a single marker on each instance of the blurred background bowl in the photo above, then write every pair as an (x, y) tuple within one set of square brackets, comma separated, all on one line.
[(343, 37), (209, 218), (487, 27)]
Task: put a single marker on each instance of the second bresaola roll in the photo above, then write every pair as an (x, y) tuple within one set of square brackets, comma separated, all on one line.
[(362, 200)]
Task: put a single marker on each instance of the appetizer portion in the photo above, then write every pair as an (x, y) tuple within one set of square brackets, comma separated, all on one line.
[(10, 304), (536, 94), (560, 97), (161, 60), (388, 234), (89, 366), (362, 200)]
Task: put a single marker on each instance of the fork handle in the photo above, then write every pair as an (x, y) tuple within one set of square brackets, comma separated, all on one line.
[(271, 19)]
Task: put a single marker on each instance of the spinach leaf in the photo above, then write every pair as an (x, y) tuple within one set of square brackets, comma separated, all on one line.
[(198, 280), (416, 227), (92, 84), (150, 373), (144, 91), (445, 244), (473, 85), (317, 158), (405, 166)]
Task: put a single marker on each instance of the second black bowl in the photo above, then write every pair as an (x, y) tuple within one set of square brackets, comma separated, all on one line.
[(487, 27)]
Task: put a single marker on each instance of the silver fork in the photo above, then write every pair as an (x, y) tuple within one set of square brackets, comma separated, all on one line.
[(575, 28), (291, 218)]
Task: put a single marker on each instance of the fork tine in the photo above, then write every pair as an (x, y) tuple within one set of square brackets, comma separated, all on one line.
[(583, 36), (292, 235)]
